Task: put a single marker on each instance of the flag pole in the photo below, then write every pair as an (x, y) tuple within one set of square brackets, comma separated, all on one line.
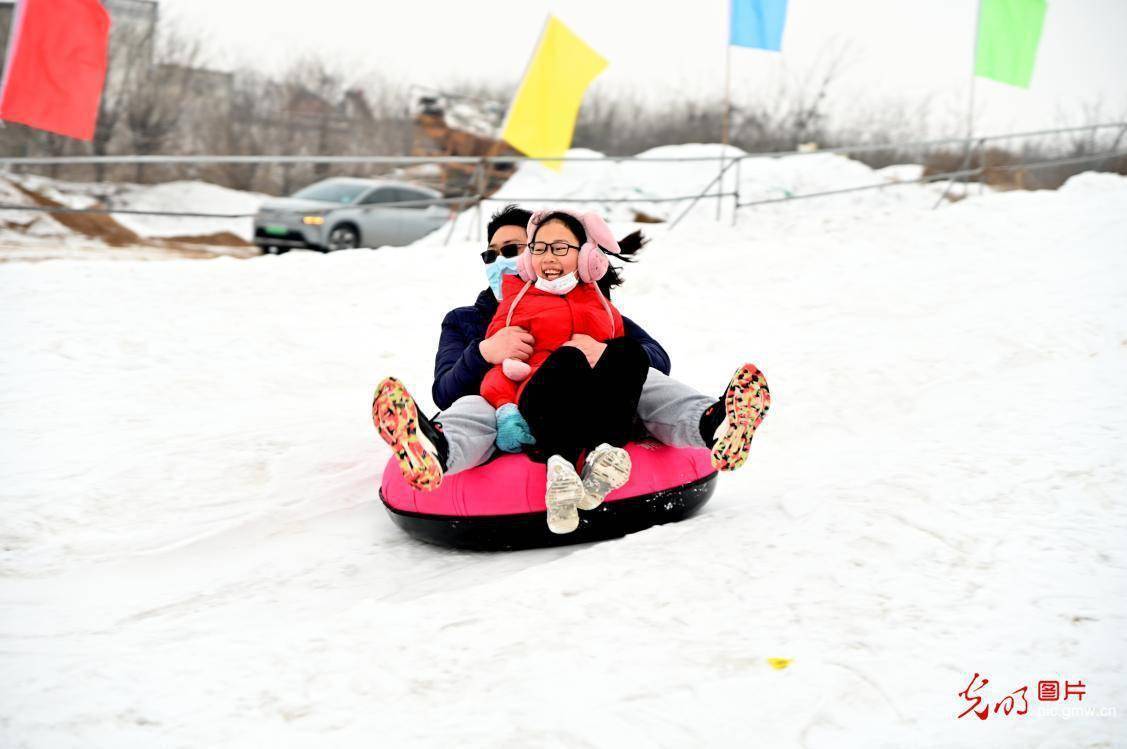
[(970, 102), (970, 111), (727, 92), (727, 115), (973, 65)]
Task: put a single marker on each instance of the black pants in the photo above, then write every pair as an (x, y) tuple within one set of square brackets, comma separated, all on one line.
[(571, 407)]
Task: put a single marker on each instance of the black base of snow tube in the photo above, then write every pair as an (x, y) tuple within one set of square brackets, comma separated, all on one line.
[(530, 530)]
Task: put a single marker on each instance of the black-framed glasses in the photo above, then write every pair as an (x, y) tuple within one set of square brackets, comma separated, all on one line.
[(506, 250), (559, 249)]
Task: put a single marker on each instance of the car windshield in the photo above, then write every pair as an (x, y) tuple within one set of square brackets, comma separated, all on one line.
[(332, 192)]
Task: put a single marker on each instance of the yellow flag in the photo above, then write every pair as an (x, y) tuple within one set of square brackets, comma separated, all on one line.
[(542, 117)]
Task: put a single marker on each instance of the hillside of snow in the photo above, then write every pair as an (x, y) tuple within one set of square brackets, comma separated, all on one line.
[(193, 553), (662, 183), (39, 235), (625, 191)]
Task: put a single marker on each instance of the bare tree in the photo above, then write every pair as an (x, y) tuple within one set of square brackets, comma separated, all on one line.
[(156, 103), (244, 130), (130, 61), (795, 109)]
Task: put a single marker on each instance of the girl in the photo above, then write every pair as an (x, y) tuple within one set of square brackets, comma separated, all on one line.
[(579, 389)]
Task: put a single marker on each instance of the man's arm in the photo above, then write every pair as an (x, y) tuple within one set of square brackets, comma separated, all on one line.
[(659, 360), (458, 366)]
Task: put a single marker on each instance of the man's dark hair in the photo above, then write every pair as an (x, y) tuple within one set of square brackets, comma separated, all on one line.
[(510, 215)]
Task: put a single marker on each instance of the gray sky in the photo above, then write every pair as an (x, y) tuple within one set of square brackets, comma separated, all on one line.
[(904, 50)]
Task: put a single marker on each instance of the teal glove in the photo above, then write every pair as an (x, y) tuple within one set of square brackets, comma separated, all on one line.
[(512, 430)]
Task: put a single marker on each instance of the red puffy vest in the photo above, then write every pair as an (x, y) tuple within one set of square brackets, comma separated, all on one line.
[(552, 320)]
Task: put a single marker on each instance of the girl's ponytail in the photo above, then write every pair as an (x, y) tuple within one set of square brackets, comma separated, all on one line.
[(629, 246)]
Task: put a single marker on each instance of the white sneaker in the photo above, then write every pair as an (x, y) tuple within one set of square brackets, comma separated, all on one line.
[(607, 468), (565, 490)]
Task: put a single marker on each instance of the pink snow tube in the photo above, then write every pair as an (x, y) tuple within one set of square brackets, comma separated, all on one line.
[(500, 505)]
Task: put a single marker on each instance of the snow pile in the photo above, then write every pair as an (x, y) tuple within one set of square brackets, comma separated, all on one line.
[(623, 190), (185, 196), (188, 197), (192, 551), (626, 191), (15, 224)]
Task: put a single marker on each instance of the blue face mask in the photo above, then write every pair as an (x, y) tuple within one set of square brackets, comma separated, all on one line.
[(500, 267)]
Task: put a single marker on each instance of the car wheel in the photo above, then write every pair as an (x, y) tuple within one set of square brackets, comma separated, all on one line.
[(344, 237)]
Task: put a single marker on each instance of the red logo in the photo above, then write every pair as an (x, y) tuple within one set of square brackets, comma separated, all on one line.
[(1015, 702), (1048, 691)]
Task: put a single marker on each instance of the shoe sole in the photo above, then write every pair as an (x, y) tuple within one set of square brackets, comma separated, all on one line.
[(746, 402), (609, 471), (562, 500), (397, 420)]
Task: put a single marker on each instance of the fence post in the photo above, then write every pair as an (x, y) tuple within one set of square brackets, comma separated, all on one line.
[(700, 195), (479, 172), (982, 166), (720, 184), (967, 151), (461, 205), (1115, 143), (736, 193)]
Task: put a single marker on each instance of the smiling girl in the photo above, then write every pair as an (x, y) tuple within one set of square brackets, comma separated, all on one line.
[(579, 389)]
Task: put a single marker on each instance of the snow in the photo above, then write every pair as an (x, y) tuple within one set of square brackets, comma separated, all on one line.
[(645, 185), (37, 235), (902, 172), (192, 196), (188, 196), (193, 553), (20, 223)]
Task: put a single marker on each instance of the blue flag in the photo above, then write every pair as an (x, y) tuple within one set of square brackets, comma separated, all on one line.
[(758, 23)]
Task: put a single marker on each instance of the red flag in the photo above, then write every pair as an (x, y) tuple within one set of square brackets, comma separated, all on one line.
[(56, 67)]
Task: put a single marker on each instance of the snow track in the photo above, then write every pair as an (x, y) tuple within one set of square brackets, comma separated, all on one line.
[(192, 552)]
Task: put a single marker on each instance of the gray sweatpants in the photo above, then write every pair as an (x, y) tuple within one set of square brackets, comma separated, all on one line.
[(670, 411)]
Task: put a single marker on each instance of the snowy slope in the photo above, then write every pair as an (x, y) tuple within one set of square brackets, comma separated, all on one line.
[(188, 196), (185, 196), (192, 552), (662, 184)]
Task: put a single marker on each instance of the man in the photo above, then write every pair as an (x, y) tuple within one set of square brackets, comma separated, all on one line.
[(673, 413)]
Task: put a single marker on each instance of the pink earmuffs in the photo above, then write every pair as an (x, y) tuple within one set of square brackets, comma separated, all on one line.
[(593, 262), (593, 265)]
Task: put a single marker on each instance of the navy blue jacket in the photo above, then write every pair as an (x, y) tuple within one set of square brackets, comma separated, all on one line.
[(459, 366)]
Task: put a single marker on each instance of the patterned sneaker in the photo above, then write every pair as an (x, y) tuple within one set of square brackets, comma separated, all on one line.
[(565, 490), (746, 402), (416, 442), (606, 469)]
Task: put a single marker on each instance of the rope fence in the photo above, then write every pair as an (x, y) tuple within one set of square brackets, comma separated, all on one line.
[(960, 174), (727, 162), (7, 162)]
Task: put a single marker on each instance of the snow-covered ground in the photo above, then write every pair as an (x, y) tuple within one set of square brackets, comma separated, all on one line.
[(648, 185), (38, 235), (192, 552), (188, 197)]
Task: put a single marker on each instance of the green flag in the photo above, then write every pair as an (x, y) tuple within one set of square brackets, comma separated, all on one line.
[(1008, 33)]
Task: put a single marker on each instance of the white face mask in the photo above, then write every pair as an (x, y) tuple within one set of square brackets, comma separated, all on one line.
[(559, 286)]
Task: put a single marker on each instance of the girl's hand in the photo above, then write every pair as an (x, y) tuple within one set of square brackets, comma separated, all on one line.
[(513, 342), (591, 348)]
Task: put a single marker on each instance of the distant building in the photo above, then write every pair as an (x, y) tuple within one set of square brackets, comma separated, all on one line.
[(6, 10), (133, 17), (206, 101)]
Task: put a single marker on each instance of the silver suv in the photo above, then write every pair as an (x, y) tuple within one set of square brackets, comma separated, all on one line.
[(343, 212)]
